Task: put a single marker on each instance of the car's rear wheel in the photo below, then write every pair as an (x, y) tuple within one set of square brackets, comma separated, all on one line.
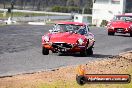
[(111, 33), (45, 51), (130, 34)]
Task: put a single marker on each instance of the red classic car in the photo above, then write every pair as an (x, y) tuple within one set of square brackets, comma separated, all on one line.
[(120, 24), (68, 37)]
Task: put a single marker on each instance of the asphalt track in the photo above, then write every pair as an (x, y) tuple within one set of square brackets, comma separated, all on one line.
[(20, 49)]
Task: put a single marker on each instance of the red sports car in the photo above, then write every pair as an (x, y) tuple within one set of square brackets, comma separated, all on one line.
[(120, 24), (68, 37)]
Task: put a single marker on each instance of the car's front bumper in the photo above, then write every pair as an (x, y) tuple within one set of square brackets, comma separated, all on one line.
[(64, 47), (119, 30)]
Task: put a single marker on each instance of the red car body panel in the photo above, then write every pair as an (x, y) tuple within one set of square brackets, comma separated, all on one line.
[(120, 24), (66, 37)]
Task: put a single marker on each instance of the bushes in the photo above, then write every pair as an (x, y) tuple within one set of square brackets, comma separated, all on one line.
[(88, 11), (66, 9), (59, 9), (74, 9), (103, 23)]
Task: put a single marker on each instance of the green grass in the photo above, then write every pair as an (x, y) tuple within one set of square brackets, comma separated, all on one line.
[(73, 84), (68, 84), (18, 14)]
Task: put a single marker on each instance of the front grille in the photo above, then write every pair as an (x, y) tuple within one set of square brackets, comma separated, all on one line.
[(119, 29), (61, 45)]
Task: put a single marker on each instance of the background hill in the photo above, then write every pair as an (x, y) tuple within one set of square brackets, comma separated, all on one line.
[(77, 6)]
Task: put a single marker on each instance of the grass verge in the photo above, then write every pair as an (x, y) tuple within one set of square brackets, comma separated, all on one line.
[(66, 77), (73, 84), (21, 14)]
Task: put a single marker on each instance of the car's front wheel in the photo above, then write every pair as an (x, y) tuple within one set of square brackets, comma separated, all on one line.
[(45, 51), (90, 51), (111, 33), (130, 34), (84, 53), (87, 52)]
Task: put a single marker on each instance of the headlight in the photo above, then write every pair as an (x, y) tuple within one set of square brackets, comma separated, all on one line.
[(112, 28), (80, 41), (46, 38), (130, 26)]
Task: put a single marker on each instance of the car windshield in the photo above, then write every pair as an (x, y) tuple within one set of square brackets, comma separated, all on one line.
[(70, 28), (123, 18)]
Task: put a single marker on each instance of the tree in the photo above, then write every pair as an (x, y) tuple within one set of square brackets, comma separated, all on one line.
[(48, 4), (77, 3), (38, 4), (20, 4), (4, 4), (33, 4), (70, 3)]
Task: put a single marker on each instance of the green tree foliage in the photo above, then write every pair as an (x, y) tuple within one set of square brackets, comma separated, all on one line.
[(66, 9), (59, 9), (50, 5)]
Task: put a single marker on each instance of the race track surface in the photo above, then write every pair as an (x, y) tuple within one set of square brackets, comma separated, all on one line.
[(20, 49)]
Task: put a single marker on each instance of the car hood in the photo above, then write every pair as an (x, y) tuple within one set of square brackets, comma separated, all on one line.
[(120, 24), (66, 37)]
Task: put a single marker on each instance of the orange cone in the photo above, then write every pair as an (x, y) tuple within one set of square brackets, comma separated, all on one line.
[(81, 70)]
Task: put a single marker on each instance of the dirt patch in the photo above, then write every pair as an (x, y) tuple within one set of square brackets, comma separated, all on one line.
[(120, 64)]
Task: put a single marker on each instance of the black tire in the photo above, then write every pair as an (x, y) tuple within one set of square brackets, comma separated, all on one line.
[(81, 80), (90, 51), (130, 34), (111, 33), (45, 51), (84, 53)]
